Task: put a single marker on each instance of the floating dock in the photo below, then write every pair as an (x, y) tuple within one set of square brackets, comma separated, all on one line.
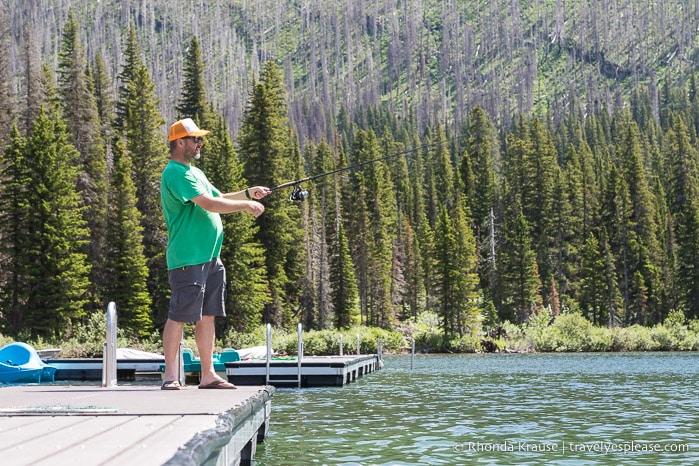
[(313, 371), (86, 425), (86, 369)]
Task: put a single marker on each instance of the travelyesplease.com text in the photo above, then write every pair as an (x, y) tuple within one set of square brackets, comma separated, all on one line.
[(573, 447)]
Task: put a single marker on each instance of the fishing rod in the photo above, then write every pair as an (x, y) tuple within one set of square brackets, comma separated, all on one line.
[(299, 194)]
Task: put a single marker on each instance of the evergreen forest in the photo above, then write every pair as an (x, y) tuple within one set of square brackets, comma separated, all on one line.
[(491, 162)]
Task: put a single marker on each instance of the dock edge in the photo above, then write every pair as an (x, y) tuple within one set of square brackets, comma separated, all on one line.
[(234, 437)]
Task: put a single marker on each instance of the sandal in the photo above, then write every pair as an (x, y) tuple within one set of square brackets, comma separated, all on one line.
[(219, 384), (171, 385)]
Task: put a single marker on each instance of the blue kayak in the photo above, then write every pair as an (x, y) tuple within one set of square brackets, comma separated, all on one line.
[(20, 363)]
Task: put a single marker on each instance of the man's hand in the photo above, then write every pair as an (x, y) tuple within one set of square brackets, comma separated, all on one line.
[(255, 208), (258, 192)]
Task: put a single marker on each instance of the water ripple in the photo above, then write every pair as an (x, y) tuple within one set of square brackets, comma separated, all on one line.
[(496, 410)]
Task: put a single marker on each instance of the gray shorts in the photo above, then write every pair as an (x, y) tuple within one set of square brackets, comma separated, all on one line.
[(197, 290)]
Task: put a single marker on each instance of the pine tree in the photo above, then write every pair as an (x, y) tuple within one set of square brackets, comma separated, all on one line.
[(565, 247), (80, 112), (36, 84), (322, 218), (246, 286), (102, 89), (482, 150), (616, 215), (373, 201), (16, 175), (53, 264), (419, 253), (439, 169), (193, 101), (132, 62), (344, 287), (266, 150), (142, 132), (593, 287), (125, 259), (519, 271), (683, 160), (455, 276), (645, 252), (344, 296), (414, 285), (538, 192), (478, 172), (7, 110)]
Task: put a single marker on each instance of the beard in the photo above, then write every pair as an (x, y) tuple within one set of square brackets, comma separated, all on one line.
[(193, 155)]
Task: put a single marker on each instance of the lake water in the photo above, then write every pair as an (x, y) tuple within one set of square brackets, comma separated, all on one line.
[(534, 409)]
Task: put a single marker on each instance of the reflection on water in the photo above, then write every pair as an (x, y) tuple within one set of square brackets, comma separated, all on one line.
[(594, 409)]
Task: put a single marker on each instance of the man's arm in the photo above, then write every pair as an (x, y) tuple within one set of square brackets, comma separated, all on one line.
[(225, 205), (254, 193)]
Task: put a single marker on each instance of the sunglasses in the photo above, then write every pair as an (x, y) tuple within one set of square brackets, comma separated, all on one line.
[(197, 139)]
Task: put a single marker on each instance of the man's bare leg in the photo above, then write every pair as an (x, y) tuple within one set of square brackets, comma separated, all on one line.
[(172, 336), (205, 336)]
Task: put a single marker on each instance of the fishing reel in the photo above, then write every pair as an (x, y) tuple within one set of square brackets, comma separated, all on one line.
[(298, 194)]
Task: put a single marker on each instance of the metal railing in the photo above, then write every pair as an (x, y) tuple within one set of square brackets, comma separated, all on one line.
[(299, 357), (109, 364)]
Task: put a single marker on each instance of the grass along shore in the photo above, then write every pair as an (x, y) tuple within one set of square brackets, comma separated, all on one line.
[(569, 332)]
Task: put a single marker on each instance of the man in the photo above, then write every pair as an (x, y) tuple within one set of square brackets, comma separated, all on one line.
[(191, 207)]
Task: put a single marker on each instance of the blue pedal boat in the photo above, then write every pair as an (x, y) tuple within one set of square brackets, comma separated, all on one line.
[(192, 364), (20, 363)]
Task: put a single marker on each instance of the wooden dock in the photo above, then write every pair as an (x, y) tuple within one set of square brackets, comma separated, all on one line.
[(90, 425), (314, 370)]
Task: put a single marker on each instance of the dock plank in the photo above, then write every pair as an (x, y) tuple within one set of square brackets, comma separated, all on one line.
[(136, 440), (12, 423), (65, 433), (157, 446), (17, 441)]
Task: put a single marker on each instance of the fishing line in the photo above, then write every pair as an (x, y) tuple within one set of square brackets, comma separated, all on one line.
[(299, 194)]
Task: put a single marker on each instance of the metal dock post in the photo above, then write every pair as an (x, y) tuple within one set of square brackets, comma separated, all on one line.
[(109, 366)]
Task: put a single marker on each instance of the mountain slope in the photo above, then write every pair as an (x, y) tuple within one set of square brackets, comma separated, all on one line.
[(428, 60)]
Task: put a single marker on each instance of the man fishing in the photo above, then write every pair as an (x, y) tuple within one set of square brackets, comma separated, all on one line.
[(192, 207)]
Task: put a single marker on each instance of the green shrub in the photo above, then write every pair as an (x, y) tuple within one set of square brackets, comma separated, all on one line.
[(693, 337), (314, 344), (662, 338), (569, 332), (429, 342), (255, 337), (368, 340), (319, 342), (514, 332), (87, 339), (600, 340), (621, 339), (535, 330), (641, 339), (4, 341), (466, 344), (574, 332)]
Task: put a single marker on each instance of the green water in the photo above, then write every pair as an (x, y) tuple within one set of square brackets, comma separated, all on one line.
[(567, 409)]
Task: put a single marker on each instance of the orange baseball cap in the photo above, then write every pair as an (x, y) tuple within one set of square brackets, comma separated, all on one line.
[(186, 127)]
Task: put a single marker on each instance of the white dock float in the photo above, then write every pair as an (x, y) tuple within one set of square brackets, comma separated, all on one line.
[(315, 370), (87, 425), (87, 369)]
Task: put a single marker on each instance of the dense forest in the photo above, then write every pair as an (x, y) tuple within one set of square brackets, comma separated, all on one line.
[(493, 159)]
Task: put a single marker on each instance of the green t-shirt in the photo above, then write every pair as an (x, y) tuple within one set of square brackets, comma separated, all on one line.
[(195, 235)]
